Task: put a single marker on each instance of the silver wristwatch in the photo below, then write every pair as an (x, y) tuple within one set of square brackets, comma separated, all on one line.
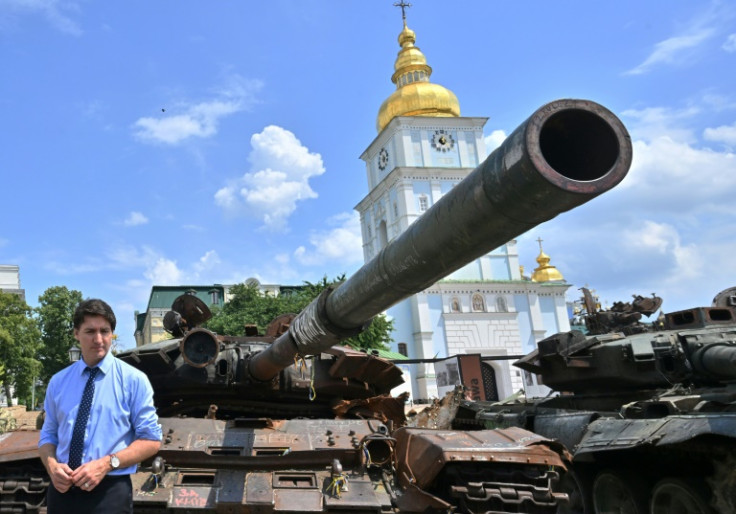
[(114, 461)]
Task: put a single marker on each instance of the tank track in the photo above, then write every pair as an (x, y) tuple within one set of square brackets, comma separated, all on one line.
[(23, 489)]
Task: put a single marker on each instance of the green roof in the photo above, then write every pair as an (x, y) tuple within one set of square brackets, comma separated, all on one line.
[(387, 354), (163, 296)]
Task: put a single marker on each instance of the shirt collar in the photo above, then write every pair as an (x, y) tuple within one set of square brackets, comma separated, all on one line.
[(105, 364)]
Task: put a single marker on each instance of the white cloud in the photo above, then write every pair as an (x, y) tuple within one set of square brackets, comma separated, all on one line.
[(56, 12), (680, 179), (724, 134), (203, 268), (718, 102), (198, 121), (651, 237), (279, 178), (135, 218), (201, 119), (672, 50), (131, 257), (494, 140), (730, 44), (342, 244), (684, 47), (651, 122), (158, 269), (164, 272)]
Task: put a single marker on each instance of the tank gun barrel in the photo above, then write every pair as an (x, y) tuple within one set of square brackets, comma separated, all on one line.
[(716, 361), (566, 153)]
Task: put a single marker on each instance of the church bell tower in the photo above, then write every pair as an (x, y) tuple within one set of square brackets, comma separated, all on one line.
[(424, 147)]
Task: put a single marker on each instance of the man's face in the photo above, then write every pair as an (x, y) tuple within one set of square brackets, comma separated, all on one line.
[(95, 338)]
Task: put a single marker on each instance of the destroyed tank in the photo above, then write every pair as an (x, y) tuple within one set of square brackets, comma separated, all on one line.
[(247, 429), (647, 410)]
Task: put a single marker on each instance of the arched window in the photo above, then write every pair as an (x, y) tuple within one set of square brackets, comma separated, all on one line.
[(455, 305), (382, 234), (501, 305), (403, 350)]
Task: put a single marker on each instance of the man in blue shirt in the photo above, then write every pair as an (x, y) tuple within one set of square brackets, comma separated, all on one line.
[(100, 422)]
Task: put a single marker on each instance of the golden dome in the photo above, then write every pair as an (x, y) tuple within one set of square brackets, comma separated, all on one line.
[(545, 272), (415, 95)]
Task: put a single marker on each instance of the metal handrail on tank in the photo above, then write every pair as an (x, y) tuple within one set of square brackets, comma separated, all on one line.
[(563, 155)]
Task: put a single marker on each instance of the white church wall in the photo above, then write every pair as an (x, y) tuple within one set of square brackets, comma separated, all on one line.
[(471, 271), (403, 328), (549, 315), (434, 303), (499, 267), (489, 334), (526, 335), (417, 158)]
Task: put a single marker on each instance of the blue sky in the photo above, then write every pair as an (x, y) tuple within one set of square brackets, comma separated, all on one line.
[(174, 142)]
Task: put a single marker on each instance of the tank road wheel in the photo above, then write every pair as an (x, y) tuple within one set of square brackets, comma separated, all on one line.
[(577, 486), (672, 496), (614, 494)]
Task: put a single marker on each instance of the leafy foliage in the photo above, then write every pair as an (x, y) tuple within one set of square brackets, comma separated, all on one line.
[(55, 311), (20, 340), (249, 306)]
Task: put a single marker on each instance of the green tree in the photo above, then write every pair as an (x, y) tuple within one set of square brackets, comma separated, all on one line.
[(250, 306), (20, 340), (55, 310)]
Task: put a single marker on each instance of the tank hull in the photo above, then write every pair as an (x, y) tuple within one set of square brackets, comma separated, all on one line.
[(648, 417)]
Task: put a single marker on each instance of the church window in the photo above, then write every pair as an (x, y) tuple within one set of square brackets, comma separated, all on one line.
[(416, 76), (423, 203), (403, 350), (501, 304), (382, 234), (396, 210), (478, 303)]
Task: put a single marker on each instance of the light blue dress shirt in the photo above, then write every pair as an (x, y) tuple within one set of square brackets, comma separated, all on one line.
[(122, 410)]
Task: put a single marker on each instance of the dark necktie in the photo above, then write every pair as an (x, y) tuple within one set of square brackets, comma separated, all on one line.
[(80, 424)]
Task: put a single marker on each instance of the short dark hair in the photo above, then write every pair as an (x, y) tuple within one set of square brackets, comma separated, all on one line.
[(93, 307)]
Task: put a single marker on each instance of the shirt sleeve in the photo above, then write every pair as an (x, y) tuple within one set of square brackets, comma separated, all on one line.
[(143, 417), (50, 429)]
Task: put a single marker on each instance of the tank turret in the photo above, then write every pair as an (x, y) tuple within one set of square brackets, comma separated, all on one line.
[(693, 347), (648, 410)]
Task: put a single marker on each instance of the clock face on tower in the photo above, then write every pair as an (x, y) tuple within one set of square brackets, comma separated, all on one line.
[(382, 159), (442, 141)]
